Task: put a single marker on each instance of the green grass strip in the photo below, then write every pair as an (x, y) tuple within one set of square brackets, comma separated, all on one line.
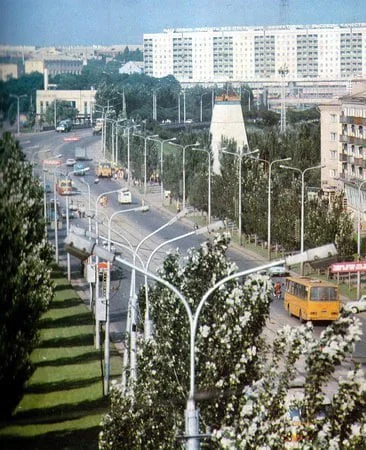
[(63, 402)]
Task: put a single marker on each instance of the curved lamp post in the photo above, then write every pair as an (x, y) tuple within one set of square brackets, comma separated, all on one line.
[(107, 323), (184, 147), (302, 172), (240, 155), (192, 434), (145, 138), (162, 142)]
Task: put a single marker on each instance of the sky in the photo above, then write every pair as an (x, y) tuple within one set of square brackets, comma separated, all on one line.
[(109, 22)]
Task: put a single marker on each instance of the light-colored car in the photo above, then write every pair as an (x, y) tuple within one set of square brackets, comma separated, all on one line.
[(70, 162), (356, 306), (278, 271)]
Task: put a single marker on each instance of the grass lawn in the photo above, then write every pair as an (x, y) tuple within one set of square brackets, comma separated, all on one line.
[(63, 401)]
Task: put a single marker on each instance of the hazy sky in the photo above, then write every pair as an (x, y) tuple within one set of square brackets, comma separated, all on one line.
[(107, 22)]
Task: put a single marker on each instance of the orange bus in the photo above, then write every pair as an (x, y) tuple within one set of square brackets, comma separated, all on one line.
[(64, 186), (311, 299)]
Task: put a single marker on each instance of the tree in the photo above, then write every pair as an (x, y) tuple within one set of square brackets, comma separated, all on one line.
[(243, 380), (64, 110), (25, 284), (157, 406)]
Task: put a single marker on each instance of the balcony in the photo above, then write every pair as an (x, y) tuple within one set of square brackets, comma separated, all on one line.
[(352, 140), (343, 157), (352, 120)]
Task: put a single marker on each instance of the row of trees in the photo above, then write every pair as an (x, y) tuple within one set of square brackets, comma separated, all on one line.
[(243, 380), (25, 282), (324, 221)]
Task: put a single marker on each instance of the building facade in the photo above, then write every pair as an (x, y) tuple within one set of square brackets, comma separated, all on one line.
[(255, 55), (82, 100), (343, 144), (8, 71)]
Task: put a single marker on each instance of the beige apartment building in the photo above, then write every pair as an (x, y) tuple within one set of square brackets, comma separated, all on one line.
[(82, 100), (343, 145), (8, 71)]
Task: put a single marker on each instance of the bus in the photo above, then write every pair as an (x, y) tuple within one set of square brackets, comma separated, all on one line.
[(311, 299), (64, 186), (124, 196)]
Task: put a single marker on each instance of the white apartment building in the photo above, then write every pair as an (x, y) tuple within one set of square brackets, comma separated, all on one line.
[(311, 53)]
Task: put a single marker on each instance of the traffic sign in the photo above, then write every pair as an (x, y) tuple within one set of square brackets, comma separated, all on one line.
[(359, 266)]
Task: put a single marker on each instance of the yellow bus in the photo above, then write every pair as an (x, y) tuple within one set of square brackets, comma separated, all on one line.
[(311, 299)]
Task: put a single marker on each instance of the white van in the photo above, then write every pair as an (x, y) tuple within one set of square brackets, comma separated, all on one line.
[(124, 196)]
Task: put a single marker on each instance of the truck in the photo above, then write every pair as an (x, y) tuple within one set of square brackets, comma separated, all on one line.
[(104, 170), (80, 154), (98, 127)]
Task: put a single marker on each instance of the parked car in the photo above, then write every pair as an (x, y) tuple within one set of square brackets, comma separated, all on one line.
[(356, 306), (70, 162)]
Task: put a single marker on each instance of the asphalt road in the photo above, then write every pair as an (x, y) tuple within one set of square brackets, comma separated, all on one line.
[(134, 226)]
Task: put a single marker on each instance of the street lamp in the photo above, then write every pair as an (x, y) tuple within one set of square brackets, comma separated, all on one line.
[(80, 171), (18, 97), (133, 298), (270, 164), (302, 172), (247, 90), (146, 138), (97, 342), (184, 147), (209, 182), (240, 156), (128, 152), (359, 237), (192, 434), (162, 142), (197, 232), (107, 323), (202, 95)]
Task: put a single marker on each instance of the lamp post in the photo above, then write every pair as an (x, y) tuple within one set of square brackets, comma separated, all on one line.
[(81, 171), (209, 182), (97, 342), (192, 434), (240, 156), (146, 138), (302, 172), (133, 298), (184, 147), (18, 97), (359, 237), (162, 142), (107, 322), (207, 229), (202, 95), (247, 90), (128, 152)]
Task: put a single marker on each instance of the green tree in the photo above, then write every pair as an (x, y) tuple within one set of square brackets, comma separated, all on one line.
[(243, 378), (64, 110), (25, 285)]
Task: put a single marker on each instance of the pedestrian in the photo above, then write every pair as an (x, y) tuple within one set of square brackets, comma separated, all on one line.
[(278, 289)]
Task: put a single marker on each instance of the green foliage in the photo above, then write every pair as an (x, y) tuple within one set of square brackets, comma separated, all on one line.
[(64, 110), (25, 286), (226, 361)]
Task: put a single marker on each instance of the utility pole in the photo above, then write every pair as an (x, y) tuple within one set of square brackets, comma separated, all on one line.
[(283, 71)]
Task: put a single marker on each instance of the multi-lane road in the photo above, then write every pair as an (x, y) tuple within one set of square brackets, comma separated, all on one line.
[(136, 225)]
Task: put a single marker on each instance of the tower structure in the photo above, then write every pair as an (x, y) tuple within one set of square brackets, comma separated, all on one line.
[(227, 122)]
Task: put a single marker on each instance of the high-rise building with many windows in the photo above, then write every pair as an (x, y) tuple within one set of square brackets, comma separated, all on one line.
[(255, 55)]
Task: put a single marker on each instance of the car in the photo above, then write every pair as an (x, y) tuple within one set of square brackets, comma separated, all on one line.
[(70, 162), (356, 306), (278, 271)]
